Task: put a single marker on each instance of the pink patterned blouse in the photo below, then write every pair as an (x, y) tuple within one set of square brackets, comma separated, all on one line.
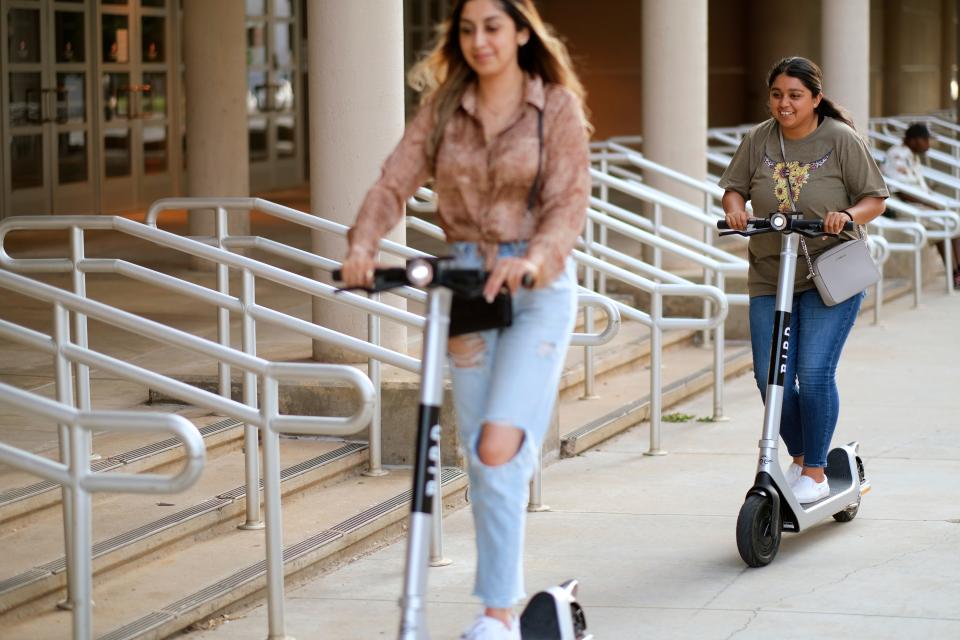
[(482, 188)]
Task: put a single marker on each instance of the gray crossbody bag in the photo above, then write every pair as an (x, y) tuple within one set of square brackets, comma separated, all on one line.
[(843, 271)]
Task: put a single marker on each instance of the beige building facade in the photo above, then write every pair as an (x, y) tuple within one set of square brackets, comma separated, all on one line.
[(107, 105)]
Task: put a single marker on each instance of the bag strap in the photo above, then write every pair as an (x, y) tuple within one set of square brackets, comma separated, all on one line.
[(803, 243), (535, 187)]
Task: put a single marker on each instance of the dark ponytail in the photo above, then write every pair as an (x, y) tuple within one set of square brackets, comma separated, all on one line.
[(807, 72)]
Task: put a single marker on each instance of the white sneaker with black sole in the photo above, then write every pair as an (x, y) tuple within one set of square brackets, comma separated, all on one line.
[(808, 490)]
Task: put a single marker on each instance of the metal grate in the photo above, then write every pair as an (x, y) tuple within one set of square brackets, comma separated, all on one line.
[(326, 458), (23, 579), (138, 627), (217, 589), (369, 515), (301, 468), (304, 547), (20, 493), (172, 443), (129, 537)]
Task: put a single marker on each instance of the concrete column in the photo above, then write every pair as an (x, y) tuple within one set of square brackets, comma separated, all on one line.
[(355, 52), (846, 56), (214, 46), (776, 33), (674, 37), (948, 65)]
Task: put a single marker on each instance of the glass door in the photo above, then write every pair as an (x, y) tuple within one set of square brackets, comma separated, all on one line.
[(47, 110), (136, 64), (273, 94)]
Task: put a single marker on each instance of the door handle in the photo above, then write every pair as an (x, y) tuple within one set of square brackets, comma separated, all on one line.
[(55, 93), (37, 117)]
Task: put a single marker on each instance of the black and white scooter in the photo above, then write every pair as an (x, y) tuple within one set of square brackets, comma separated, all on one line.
[(553, 614), (770, 506)]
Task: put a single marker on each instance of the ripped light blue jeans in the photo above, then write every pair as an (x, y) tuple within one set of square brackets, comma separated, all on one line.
[(512, 379)]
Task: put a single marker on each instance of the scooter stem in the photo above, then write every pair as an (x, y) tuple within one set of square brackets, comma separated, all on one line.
[(426, 480), (778, 354)]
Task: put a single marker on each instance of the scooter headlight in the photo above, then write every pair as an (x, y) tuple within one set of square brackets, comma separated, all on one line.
[(419, 273)]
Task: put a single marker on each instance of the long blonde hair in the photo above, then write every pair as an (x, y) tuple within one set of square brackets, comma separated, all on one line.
[(443, 74)]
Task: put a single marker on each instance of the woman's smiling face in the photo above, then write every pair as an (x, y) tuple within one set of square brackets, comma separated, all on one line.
[(793, 105), (489, 38)]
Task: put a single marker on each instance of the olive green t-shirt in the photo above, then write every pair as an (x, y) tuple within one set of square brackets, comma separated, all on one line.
[(830, 169)]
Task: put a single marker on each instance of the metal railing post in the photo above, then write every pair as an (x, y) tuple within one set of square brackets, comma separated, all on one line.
[(719, 348), (656, 355), (535, 503), (917, 279), (223, 315), (81, 578), (708, 274), (274, 525), (64, 385), (375, 432), (251, 446), (437, 559), (588, 351), (657, 225), (604, 196), (82, 378)]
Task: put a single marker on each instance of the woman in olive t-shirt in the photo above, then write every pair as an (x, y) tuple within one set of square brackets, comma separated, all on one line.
[(832, 177)]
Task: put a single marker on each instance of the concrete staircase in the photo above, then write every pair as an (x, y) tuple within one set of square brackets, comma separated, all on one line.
[(164, 563)]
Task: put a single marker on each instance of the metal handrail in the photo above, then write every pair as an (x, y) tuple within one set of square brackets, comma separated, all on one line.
[(372, 349), (654, 320), (267, 417), (77, 481), (246, 305)]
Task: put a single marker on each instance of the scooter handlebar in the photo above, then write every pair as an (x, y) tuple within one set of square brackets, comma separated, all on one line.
[(462, 280), (809, 228)]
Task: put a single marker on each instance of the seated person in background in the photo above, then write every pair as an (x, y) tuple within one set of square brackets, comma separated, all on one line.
[(904, 164)]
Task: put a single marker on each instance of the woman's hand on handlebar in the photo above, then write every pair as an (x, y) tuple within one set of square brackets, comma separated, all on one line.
[(509, 272), (737, 219), (357, 270), (834, 220)]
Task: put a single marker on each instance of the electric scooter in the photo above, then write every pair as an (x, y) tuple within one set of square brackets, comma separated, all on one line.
[(553, 614), (770, 506)]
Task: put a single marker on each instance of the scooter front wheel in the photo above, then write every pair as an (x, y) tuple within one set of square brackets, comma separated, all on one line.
[(758, 531)]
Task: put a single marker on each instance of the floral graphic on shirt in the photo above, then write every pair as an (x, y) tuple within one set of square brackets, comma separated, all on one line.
[(796, 174)]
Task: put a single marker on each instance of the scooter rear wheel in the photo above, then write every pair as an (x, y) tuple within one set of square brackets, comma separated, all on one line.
[(758, 531)]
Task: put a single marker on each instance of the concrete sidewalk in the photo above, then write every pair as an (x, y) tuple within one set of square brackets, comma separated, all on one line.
[(652, 539)]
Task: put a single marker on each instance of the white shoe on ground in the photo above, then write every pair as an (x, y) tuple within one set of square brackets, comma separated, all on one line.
[(793, 474), (487, 628), (808, 490)]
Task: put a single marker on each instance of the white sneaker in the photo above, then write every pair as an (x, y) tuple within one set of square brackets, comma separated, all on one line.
[(808, 490), (487, 628), (793, 474)]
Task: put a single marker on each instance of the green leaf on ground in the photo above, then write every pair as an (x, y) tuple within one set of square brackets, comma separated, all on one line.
[(677, 417)]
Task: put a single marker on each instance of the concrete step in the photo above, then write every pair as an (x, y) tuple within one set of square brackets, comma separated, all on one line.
[(623, 400), (166, 595), (21, 495), (131, 528)]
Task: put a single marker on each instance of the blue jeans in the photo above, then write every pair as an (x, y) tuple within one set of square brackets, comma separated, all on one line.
[(811, 403), (511, 379)]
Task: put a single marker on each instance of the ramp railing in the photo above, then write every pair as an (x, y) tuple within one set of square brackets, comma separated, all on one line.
[(74, 476), (267, 417), (655, 319)]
